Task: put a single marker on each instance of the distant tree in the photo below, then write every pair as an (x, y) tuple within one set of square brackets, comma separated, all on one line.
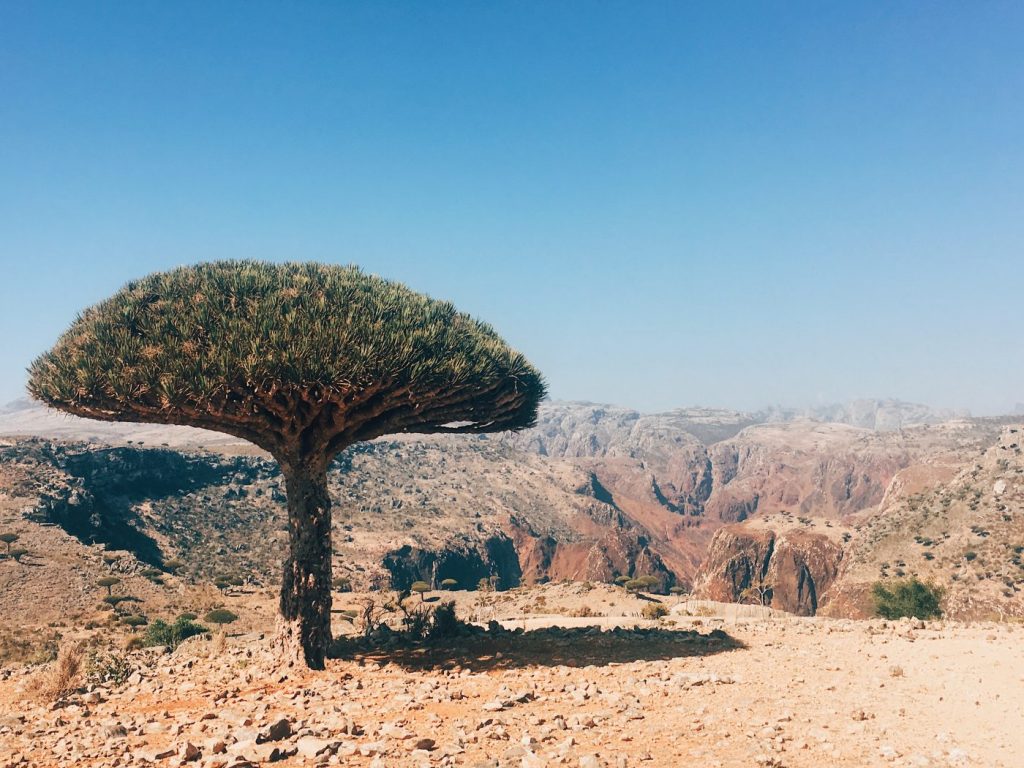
[(621, 580), (134, 621), (449, 584), (342, 584), (907, 598), (224, 582), (154, 574), (677, 591), (420, 587), (221, 616), (174, 565), (641, 584), (8, 539), (110, 559), (301, 359), (187, 616), (109, 582), (759, 593)]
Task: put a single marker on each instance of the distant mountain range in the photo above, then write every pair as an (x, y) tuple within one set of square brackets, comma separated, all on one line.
[(26, 417)]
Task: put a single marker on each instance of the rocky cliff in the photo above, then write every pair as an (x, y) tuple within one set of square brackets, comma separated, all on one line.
[(790, 570), (956, 524)]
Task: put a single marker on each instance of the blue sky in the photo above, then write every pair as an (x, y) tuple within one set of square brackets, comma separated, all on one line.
[(662, 204)]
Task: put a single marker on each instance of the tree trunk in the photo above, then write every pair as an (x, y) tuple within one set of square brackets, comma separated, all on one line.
[(306, 586)]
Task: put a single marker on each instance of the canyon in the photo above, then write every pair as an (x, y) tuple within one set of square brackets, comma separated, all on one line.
[(805, 509)]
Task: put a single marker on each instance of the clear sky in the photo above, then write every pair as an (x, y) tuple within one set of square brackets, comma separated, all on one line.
[(662, 204)]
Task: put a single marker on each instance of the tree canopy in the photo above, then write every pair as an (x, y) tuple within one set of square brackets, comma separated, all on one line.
[(302, 359)]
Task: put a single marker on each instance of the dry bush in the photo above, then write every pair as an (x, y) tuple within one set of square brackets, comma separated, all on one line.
[(220, 643), (654, 611), (62, 676), (27, 647)]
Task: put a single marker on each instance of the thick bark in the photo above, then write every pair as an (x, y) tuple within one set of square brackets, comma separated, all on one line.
[(306, 586)]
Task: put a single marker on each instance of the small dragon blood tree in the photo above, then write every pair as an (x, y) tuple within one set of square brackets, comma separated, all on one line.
[(302, 359)]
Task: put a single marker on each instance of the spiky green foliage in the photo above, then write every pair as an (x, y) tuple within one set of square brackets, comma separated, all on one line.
[(299, 358), (907, 598)]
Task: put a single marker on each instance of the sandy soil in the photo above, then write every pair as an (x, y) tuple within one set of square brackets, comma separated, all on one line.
[(767, 691)]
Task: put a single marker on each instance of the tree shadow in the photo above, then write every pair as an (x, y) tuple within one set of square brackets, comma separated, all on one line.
[(547, 647)]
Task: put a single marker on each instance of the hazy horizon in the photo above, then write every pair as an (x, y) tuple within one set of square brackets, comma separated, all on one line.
[(661, 205)]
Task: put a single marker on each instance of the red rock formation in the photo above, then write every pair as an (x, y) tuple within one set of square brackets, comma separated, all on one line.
[(794, 568)]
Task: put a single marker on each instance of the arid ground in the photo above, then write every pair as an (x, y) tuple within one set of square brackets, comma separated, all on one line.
[(730, 686)]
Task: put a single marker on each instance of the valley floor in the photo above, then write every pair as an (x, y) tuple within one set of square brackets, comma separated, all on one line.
[(772, 692)]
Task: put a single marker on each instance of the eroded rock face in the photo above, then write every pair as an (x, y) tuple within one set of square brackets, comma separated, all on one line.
[(793, 568), (466, 561), (803, 567)]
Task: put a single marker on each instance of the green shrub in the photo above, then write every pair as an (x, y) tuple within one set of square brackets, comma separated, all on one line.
[(108, 669), (172, 635), (134, 621), (444, 623), (341, 584), (907, 598), (221, 616), (229, 580)]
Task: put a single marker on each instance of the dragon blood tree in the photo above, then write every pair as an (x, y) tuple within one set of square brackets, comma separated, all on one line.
[(303, 360)]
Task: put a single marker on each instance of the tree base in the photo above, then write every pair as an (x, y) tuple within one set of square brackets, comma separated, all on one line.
[(288, 646)]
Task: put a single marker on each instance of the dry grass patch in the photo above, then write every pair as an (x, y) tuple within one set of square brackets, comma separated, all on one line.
[(62, 676)]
